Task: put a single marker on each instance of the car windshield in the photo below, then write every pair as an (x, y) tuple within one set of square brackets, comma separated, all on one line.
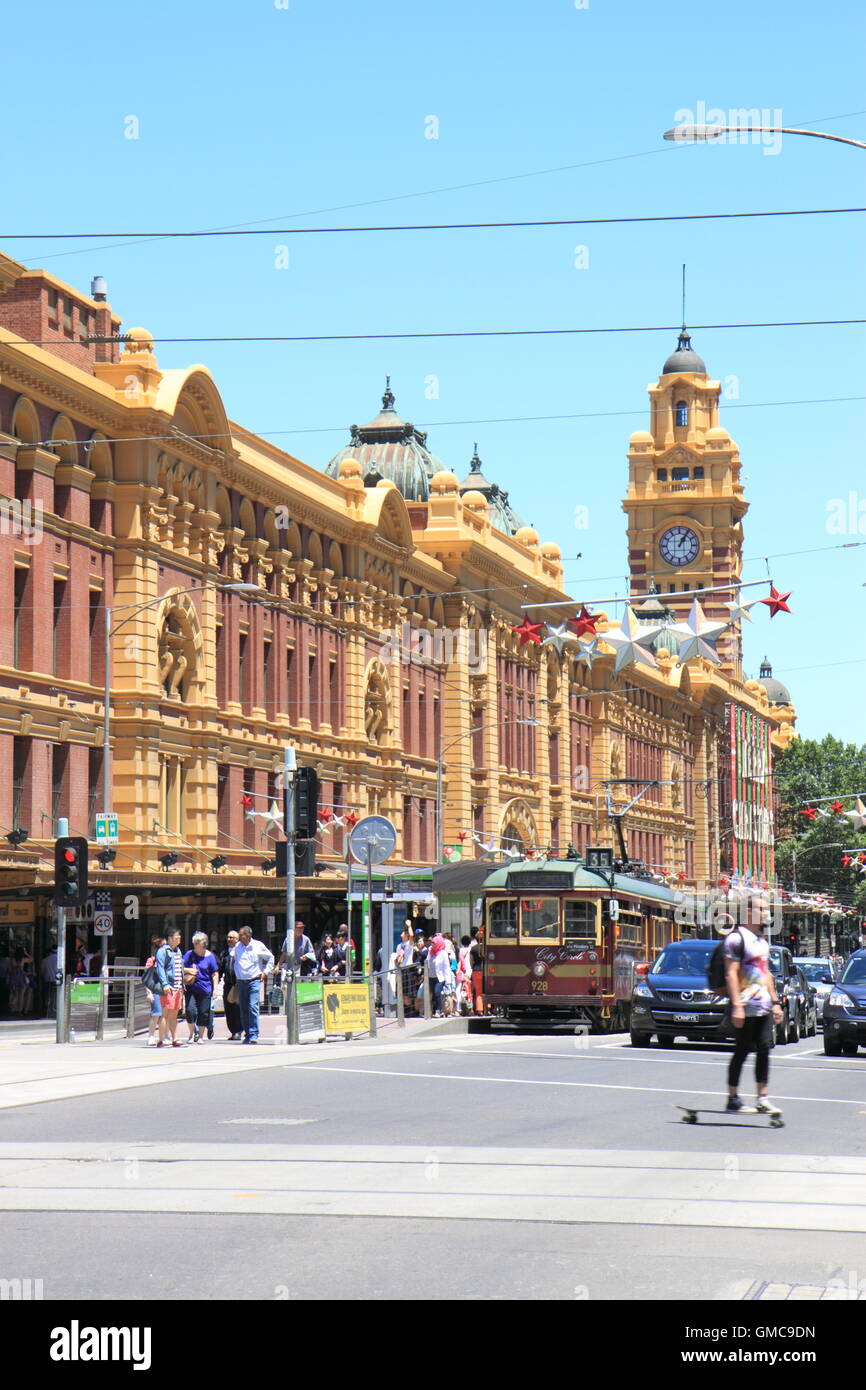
[(815, 970), (674, 960), (855, 971)]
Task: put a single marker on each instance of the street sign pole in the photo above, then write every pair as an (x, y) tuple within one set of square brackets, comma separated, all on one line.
[(289, 766), (367, 947)]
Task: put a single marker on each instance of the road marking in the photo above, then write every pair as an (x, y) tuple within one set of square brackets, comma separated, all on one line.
[(276, 1120), (585, 1055), (532, 1081)]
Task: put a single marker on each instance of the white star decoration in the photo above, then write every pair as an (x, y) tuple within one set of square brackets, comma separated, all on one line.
[(857, 817), (557, 637), (631, 641), (697, 636), (739, 610), (588, 652)]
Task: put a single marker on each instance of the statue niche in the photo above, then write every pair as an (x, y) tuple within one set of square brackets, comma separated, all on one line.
[(376, 706), (175, 655)]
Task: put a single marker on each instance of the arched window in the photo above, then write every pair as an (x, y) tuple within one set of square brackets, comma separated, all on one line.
[(682, 413), (661, 475)]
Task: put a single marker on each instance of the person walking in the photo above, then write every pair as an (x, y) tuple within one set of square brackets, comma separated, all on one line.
[(253, 962), (755, 1008), (202, 970), (476, 970), (230, 988), (404, 958), (49, 981), (169, 969), (154, 1031), (439, 969)]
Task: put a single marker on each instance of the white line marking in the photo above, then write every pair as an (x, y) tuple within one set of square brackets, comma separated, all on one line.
[(582, 1085)]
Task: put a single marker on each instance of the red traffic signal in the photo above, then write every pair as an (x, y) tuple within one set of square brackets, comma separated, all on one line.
[(70, 871)]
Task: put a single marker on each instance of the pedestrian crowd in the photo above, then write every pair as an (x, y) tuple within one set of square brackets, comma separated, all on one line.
[(189, 983)]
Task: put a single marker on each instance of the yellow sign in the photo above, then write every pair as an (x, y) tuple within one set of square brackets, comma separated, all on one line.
[(17, 912), (347, 1008)]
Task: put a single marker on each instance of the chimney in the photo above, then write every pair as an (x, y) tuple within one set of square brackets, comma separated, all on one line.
[(99, 289)]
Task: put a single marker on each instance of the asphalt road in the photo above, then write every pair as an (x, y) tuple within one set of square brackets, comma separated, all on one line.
[(542, 1167)]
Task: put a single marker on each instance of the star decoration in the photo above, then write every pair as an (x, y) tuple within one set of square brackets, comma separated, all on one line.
[(527, 631), (846, 860), (697, 636), (739, 610), (351, 819), (247, 801), (631, 641), (557, 637), (325, 816), (837, 807), (809, 812), (588, 652), (584, 623), (776, 602), (461, 835), (857, 817)]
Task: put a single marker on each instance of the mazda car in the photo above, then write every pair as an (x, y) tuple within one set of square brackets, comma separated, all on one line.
[(845, 1009), (674, 1000)]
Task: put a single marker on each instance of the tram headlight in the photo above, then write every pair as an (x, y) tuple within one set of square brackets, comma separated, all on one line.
[(539, 968), (642, 991)]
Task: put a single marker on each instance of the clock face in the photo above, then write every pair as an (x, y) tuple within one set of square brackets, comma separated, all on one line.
[(679, 545)]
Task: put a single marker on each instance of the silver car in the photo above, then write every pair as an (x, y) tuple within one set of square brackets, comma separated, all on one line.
[(820, 973)]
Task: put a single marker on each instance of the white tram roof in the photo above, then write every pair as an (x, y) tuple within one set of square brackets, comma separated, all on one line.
[(507, 877)]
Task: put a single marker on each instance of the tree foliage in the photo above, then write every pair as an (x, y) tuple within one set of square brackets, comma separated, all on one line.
[(805, 770)]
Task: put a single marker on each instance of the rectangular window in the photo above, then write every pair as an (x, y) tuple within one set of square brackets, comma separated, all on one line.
[(20, 759), (83, 323), (313, 694), (502, 919), (95, 645), (20, 615), (52, 307), (267, 696), (242, 671), (94, 787), (629, 928), (579, 923), (219, 657), (333, 694), (250, 825), (59, 760), (58, 656), (539, 919), (67, 316), (223, 816), (291, 703), (408, 829)]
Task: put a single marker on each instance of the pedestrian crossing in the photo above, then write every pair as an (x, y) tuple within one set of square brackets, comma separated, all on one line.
[(558, 1186)]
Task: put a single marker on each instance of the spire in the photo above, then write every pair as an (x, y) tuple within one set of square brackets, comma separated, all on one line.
[(766, 669), (475, 462), (388, 397)]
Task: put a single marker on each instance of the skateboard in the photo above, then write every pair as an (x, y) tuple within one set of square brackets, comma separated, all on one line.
[(692, 1112)]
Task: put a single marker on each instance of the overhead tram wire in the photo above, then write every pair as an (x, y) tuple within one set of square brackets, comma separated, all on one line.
[(512, 223)]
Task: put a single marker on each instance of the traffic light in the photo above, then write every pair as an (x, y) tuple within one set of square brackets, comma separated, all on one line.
[(306, 803), (70, 871)]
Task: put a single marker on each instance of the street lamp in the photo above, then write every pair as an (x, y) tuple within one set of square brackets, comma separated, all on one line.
[(109, 633), (440, 769), (694, 134)]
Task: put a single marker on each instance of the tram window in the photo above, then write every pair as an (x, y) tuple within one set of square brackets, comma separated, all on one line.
[(579, 922), (539, 918), (502, 919), (630, 928)]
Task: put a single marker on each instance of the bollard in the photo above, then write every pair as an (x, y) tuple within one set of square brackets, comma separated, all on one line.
[(428, 1001), (401, 1011), (129, 985), (371, 987)]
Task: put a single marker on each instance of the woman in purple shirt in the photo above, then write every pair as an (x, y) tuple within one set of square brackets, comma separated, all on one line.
[(200, 985)]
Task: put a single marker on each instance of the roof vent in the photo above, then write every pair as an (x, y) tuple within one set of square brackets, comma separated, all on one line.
[(99, 289)]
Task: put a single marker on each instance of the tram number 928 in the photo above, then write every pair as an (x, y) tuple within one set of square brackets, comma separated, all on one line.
[(538, 986)]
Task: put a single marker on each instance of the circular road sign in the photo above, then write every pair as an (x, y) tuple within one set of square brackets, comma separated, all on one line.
[(376, 834)]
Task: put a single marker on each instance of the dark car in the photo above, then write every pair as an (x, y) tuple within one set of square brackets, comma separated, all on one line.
[(674, 1000), (809, 1004), (821, 972), (845, 1009), (789, 989)]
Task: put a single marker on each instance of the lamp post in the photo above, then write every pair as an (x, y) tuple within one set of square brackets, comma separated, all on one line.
[(695, 134), (440, 770), (109, 633)]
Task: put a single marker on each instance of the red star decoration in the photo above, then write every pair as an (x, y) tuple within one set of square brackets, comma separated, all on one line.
[(247, 802), (461, 835), (585, 622), (325, 816), (837, 807), (681, 875), (861, 859), (846, 860), (528, 632), (351, 819), (809, 812), (777, 602)]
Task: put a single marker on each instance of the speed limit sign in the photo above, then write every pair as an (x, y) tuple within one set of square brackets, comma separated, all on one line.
[(103, 923)]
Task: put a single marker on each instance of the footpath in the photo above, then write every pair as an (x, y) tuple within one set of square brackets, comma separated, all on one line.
[(34, 1068)]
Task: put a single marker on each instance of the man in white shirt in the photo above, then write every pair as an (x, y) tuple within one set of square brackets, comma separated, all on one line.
[(252, 962)]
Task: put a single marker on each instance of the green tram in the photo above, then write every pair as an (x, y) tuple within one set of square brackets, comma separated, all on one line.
[(561, 940)]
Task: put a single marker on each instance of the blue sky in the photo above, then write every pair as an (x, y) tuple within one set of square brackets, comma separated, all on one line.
[(248, 113)]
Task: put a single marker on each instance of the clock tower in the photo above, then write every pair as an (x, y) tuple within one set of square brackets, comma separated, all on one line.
[(685, 502)]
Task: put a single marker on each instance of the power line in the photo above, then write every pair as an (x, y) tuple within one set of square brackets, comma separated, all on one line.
[(435, 226), (460, 333)]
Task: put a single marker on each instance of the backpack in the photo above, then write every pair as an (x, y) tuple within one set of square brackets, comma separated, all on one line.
[(716, 978)]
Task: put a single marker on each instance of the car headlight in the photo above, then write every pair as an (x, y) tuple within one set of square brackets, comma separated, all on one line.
[(838, 999), (643, 991)]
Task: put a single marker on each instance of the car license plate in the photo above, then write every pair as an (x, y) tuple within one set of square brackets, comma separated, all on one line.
[(685, 1018)]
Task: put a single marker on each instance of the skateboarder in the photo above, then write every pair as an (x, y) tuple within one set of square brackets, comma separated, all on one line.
[(755, 1008)]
